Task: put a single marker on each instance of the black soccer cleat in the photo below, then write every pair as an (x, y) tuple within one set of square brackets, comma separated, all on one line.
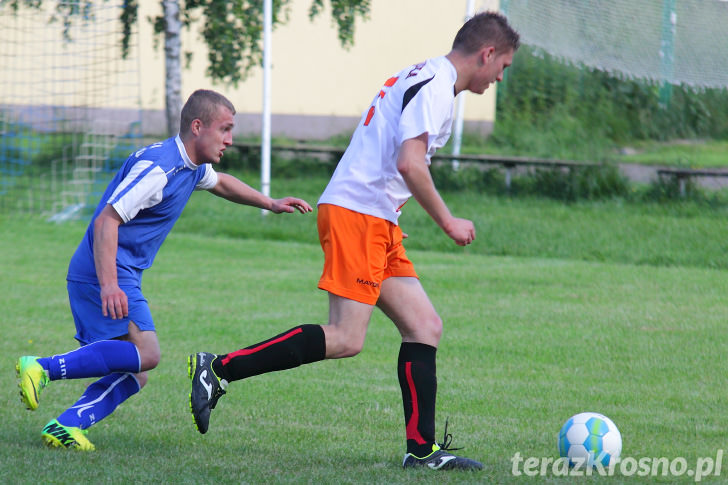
[(441, 458), (206, 388)]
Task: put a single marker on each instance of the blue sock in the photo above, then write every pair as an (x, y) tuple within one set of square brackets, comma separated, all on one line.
[(100, 400), (94, 360)]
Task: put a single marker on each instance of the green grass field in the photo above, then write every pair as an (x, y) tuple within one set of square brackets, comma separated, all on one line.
[(685, 153), (556, 309)]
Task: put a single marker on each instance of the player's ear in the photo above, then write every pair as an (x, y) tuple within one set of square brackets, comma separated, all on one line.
[(487, 54), (195, 126)]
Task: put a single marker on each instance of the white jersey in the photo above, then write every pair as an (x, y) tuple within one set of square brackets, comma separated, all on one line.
[(419, 99)]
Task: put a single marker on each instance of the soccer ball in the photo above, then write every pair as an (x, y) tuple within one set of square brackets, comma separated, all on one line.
[(590, 439)]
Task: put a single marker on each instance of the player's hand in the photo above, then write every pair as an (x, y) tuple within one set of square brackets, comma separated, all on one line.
[(462, 231), (290, 204), (114, 302)]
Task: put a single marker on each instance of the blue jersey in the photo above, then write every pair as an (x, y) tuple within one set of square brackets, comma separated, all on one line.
[(149, 193)]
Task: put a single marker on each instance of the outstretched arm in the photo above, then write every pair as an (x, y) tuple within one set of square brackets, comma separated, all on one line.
[(413, 167), (235, 190)]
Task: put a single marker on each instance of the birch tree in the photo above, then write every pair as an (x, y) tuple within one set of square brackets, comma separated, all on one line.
[(172, 65)]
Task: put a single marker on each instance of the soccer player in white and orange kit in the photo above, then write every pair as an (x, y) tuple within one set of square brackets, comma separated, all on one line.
[(365, 265)]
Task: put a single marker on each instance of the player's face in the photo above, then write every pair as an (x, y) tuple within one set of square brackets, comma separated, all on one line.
[(213, 138), (491, 70)]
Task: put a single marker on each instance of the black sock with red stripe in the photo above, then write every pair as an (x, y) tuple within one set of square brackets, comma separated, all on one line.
[(418, 381), (300, 345)]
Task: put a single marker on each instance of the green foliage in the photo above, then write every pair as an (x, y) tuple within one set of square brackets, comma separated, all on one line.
[(468, 177), (24, 151), (576, 183), (68, 12), (595, 182), (560, 135), (233, 30), (668, 190), (283, 164), (551, 109), (128, 17), (39, 150), (343, 14)]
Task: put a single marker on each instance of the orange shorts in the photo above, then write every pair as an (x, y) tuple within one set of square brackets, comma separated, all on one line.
[(360, 252)]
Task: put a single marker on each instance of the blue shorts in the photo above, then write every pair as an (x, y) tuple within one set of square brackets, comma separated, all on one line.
[(92, 325)]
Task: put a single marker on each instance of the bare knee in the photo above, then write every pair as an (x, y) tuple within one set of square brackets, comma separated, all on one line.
[(150, 357), (405, 302), (347, 327), (427, 331), (341, 344), (350, 349), (142, 378), (432, 329), (147, 345)]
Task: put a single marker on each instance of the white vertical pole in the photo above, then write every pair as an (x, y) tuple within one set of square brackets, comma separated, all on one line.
[(265, 134), (458, 132)]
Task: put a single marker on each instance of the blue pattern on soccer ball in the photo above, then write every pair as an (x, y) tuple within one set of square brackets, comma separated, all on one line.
[(563, 442), (589, 439)]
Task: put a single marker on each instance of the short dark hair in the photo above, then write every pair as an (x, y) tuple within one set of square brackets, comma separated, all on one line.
[(202, 105), (483, 29)]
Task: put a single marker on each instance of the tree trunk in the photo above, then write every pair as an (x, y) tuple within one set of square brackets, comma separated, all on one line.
[(172, 61)]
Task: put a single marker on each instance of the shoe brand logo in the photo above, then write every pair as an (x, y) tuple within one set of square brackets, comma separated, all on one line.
[(208, 387), (442, 461), (202, 358), (54, 429)]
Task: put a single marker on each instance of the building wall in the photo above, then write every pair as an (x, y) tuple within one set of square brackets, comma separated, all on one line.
[(319, 88)]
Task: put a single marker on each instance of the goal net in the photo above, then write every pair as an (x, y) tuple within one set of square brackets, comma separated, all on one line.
[(70, 106), (667, 41)]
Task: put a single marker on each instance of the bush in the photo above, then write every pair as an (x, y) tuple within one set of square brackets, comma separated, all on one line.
[(578, 183), (567, 184), (468, 177), (547, 108), (282, 164)]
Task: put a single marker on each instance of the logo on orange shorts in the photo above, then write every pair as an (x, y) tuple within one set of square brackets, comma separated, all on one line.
[(373, 284)]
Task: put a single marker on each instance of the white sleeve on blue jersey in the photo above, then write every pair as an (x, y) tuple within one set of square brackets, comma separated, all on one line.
[(209, 180), (135, 193)]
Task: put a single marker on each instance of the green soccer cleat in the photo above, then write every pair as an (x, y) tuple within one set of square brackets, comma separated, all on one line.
[(55, 435), (32, 379)]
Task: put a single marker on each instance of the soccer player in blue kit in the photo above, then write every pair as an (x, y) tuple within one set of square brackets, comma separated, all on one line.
[(113, 322)]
